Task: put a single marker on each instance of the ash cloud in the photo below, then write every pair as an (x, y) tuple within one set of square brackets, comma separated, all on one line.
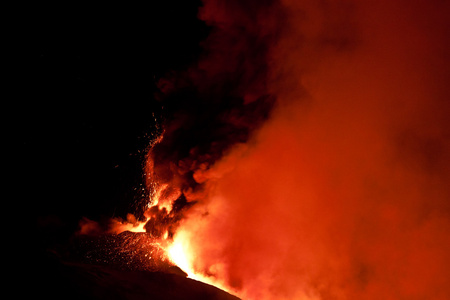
[(342, 193)]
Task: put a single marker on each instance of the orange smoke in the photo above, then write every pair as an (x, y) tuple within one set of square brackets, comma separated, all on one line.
[(343, 193), (339, 192)]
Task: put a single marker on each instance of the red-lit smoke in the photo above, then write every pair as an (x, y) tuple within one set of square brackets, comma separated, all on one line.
[(343, 192), (306, 155)]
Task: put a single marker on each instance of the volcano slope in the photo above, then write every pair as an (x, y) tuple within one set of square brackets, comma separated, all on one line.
[(78, 272)]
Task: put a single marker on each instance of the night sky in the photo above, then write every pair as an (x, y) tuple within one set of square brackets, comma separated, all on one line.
[(86, 103)]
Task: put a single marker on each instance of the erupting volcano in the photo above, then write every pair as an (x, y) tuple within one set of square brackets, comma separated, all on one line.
[(303, 154)]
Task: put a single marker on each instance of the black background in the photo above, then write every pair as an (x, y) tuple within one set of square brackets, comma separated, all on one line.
[(84, 104)]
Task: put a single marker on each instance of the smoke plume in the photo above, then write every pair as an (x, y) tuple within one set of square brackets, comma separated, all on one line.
[(218, 102), (313, 137)]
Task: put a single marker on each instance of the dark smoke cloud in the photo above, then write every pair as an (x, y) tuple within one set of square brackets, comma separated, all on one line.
[(220, 100)]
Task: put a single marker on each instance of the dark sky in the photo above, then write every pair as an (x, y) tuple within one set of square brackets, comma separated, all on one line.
[(85, 101)]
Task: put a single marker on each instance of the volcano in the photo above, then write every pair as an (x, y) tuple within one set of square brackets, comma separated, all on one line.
[(273, 149)]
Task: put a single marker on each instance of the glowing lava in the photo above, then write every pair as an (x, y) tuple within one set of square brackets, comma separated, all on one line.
[(183, 255), (178, 254)]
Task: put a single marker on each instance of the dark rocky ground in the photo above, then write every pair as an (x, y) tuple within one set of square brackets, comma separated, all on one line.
[(109, 267)]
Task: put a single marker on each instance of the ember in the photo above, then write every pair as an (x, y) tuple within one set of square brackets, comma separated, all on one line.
[(124, 251)]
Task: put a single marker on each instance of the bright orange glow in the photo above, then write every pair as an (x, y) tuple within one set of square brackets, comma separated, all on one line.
[(178, 253), (134, 228), (181, 253)]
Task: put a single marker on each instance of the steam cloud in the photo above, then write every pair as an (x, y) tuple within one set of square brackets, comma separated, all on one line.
[(313, 136)]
